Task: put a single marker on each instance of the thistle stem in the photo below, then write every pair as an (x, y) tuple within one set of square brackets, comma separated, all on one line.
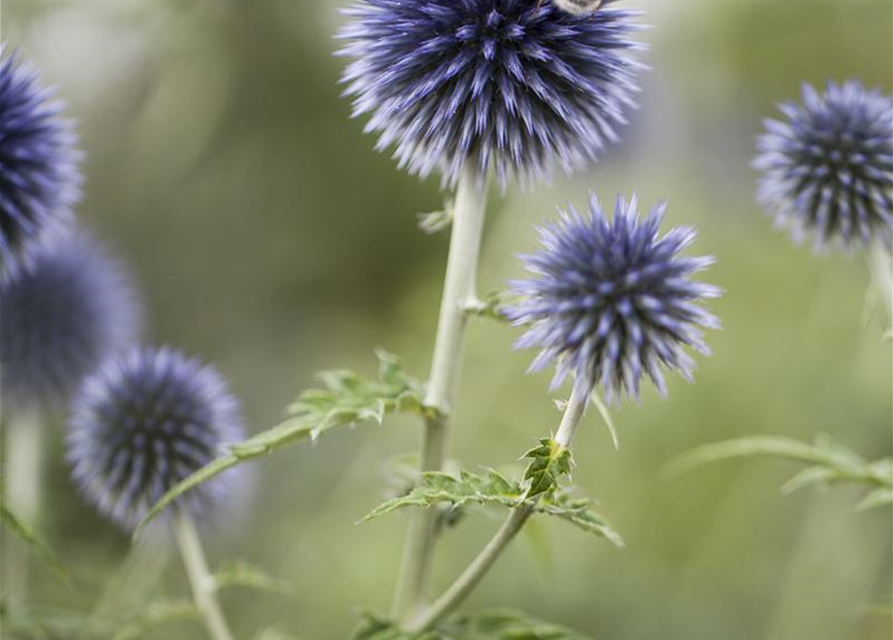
[(200, 579), (475, 572), (23, 462), (459, 290)]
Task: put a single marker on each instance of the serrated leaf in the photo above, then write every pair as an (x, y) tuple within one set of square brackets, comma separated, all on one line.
[(31, 538), (345, 400), (548, 462), (830, 462), (155, 615), (506, 624), (494, 488), (373, 626), (243, 574), (492, 306), (499, 624)]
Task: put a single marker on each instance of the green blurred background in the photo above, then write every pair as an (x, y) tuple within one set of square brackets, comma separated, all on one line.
[(267, 236)]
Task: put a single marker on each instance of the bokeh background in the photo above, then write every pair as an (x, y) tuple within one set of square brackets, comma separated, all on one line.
[(267, 236)]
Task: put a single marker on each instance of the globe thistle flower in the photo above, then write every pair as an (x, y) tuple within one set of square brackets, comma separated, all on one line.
[(61, 318), (828, 168), (517, 84), (39, 178), (612, 301), (145, 422)]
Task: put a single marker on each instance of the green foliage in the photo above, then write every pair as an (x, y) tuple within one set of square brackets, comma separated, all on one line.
[(829, 463), (491, 306), (494, 488), (487, 625), (30, 537), (436, 221), (155, 615), (243, 574), (346, 400), (548, 462), (50, 623)]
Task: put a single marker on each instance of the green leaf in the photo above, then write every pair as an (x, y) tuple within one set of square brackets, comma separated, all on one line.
[(494, 488), (492, 306), (829, 463), (51, 623), (508, 625), (346, 400), (376, 627), (30, 537), (486, 625), (549, 461), (155, 615), (436, 221), (243, 574)]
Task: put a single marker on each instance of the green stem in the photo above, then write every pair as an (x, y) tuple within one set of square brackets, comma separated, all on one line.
[(458, 292), (22, 464), (475, 572), (201, 581)]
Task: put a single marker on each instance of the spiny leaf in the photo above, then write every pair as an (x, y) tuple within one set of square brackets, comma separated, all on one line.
[(549, 461), (155, 615), (486, 625), (829, 463), (494, 488), (505, 624), (492, 306), (345, 400), (30, 537), (376, 627), (243, 574)]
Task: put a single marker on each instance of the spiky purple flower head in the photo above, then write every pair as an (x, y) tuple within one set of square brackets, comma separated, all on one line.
[(828, 168), (39, 177), (516, 84), (61, 318), (145, 422), (612, 300)]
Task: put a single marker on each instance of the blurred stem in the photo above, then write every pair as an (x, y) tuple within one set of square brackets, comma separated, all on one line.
[(204, 589), (131, 585), (458, 291), (23, 462), (472, 576)]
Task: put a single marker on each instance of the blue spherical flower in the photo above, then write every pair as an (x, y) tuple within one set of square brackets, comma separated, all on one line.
[(612, 300), (829, 167), (61, 318), (39, 178), (517, 84), (145, 422)]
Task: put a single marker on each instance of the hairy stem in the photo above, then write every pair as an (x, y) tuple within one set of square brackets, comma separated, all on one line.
[(200, 579), (458, 292), (22, 464), (475, 572)]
